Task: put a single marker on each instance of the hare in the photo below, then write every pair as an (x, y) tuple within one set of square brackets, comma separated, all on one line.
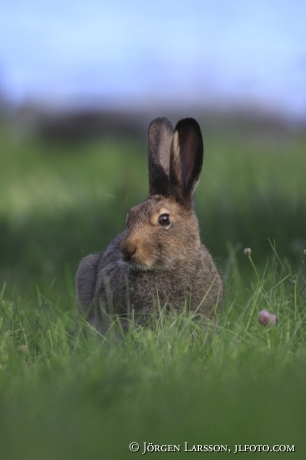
[(159, 258)]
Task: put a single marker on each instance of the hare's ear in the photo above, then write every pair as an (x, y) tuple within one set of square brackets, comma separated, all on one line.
[(186, 159), (159, 145)]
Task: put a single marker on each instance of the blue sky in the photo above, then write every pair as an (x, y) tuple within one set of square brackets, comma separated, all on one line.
[(137, 52)]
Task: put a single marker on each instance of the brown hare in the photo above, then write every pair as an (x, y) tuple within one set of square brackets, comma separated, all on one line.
[(159, 258)]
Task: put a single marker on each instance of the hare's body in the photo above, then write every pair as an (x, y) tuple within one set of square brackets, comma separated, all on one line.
[(159, 258)]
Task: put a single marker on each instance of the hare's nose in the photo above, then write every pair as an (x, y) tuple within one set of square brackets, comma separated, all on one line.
[(128, 248)]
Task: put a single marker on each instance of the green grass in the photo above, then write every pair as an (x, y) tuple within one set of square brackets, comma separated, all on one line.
[(66, 392)]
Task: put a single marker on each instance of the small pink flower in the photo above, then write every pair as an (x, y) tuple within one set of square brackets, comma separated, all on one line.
[(266, 318)]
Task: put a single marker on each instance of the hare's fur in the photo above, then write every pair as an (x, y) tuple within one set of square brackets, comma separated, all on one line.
[(159, 258)]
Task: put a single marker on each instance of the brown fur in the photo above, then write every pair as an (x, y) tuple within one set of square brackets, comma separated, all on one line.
[(150, 262)]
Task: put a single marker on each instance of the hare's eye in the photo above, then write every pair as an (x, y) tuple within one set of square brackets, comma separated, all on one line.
[(164, 220)]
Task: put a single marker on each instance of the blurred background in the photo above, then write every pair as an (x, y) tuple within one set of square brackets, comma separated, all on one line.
[(139, 55), (79, 84)]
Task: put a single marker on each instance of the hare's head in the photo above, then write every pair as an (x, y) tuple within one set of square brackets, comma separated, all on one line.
[(162, 232)]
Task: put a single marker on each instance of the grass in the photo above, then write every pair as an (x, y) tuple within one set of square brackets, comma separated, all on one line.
[(67, 392)]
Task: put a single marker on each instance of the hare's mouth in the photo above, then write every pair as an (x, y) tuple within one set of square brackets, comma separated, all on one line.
[(138, 266)]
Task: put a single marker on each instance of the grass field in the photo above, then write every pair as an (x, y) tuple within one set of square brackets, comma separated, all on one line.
[(66, 392)]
